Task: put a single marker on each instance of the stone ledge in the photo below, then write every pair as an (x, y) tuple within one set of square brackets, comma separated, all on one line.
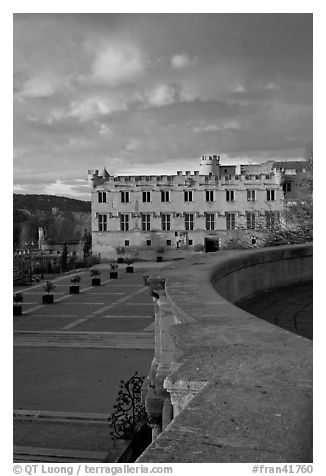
[(253, 379)]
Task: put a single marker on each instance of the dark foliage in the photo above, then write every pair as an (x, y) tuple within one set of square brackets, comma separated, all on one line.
[(87, 244), (47, 202), (64, 257)]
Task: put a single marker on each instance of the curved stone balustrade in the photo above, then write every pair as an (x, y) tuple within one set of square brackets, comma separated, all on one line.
[(226, 386)]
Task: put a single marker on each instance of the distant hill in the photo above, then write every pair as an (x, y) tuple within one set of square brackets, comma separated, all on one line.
[(64, 218), (47, 202)]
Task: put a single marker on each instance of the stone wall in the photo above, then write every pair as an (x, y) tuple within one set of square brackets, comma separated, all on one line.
[(226, 386)]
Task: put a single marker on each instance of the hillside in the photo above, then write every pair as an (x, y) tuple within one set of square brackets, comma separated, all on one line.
[(64, 218), (45, 203)]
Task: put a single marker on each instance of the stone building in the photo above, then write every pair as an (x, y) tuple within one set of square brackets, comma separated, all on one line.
[(297, 178), (210, 207)]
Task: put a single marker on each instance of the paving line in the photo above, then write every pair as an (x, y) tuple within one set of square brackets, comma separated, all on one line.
[(61, 298), (106, 294), (127, 285), (123, 317), (53, 416), (99, 311), (125, 298), (41, 293), (150, 327), (83, 303), (55, 280), (57, 454), (99, 340), (139, 304), (55, 315), (73, 324)]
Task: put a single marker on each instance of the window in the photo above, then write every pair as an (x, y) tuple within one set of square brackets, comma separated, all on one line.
[(190, 242), (124, 222), (145, 221), (126, 242), (251, 220), (270, 195), (189, 221), (101, 197), (102, 222), (229, 195), (165, 196), (287, 187), (209, 195), (146, 197), (251, 195), (210, 222), (271, 219), (230, 221), (125, 197), (188, 195), (168, 242), (148, 242), (166, 221)]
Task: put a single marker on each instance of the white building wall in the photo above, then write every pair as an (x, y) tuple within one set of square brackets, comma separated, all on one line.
[(106, 243)]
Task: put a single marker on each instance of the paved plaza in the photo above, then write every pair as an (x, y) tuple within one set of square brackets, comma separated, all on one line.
[(69, 358)]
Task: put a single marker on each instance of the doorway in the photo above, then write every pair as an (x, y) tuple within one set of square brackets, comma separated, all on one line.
[(212, 245)]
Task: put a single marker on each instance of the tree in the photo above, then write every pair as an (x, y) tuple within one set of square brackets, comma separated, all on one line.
[(64, 257), (309, 153), (294, 227), (87, 244), (16, 235), (296, 223)]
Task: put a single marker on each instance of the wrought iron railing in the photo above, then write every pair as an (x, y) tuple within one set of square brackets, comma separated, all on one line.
[(129, 414)]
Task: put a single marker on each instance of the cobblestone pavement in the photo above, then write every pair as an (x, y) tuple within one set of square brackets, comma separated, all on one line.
[(290, 307), (70, 356)]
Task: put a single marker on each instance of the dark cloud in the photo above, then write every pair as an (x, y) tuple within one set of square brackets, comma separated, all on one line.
[(134, 90)]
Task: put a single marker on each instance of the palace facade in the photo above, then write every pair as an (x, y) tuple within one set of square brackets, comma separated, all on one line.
[(212, 206)]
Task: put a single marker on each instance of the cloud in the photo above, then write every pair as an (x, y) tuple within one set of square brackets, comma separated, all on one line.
[(54, 116), (58, 188), (117, 63), (94, 107), (188, 92), (33, 118), (272, 86), (239, 88), (162, 95), (133, 144), (181, 61), (167, 94), (42, 86), (216, 127), (216, 74), (104, 130)]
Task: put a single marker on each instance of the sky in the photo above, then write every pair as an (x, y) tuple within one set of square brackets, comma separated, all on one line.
[(151, 93)]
